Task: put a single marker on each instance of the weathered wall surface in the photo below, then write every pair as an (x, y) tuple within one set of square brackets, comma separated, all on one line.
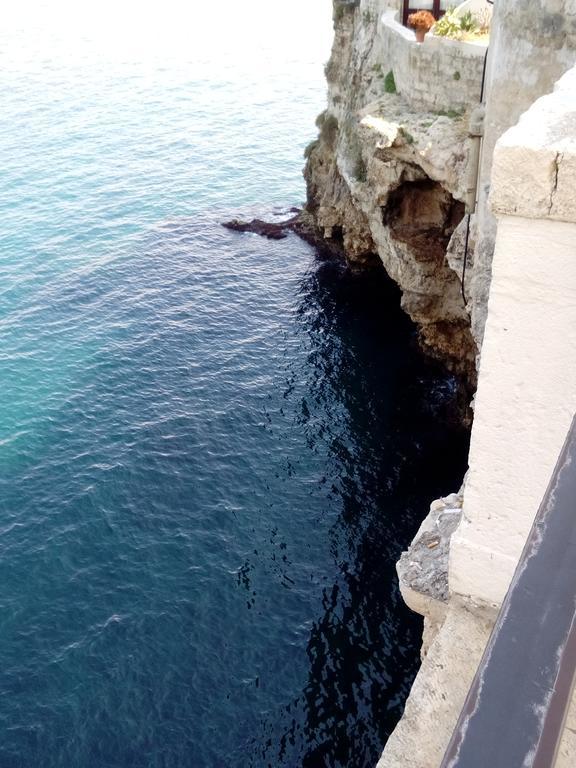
[(533, 43), (439, 691), (526, 396), (439, 74)]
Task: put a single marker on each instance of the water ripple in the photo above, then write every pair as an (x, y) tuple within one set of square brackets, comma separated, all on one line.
[(213, 447)]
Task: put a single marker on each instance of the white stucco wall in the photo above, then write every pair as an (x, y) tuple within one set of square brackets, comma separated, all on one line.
[(527, 385)]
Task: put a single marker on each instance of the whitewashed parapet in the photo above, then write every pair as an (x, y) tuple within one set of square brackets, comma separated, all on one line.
[(438, 74), (535, 161)]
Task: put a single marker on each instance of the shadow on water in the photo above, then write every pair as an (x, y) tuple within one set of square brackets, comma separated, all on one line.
[(234, 442), (388, 419)]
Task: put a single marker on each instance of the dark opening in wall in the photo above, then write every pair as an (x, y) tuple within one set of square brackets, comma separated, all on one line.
[(424, 215)]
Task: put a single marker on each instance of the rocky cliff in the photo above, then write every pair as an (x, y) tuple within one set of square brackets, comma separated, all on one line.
[(387, 179)]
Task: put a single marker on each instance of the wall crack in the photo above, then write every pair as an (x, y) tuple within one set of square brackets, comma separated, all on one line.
[(556, 171)]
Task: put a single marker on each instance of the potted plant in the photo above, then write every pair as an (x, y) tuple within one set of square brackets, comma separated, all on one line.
[(421, 22)]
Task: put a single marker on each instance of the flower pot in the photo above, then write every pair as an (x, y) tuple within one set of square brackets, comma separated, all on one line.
[(420, 33)]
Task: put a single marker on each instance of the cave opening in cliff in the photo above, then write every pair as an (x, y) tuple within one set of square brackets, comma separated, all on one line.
[(423, 215)]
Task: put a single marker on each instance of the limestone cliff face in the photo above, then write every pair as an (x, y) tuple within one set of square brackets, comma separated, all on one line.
[(386, 177)]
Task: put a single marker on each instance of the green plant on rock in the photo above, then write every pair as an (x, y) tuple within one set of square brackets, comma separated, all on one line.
[(329, 129), (457, 27), (448, 26), (390, 83), (407, 136), (453, 114), (468, 23), (310, 148), (360, 170)]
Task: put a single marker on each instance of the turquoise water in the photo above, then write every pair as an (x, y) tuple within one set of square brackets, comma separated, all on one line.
[(213, 447)]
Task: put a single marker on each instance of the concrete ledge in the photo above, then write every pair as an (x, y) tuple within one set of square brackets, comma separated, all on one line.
[(439, 691), (535, 161)]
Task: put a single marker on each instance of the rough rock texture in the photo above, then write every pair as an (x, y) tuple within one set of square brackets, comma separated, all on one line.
[(388, 179), (268, 229), (423, 568), (533, 43), (536, 168)]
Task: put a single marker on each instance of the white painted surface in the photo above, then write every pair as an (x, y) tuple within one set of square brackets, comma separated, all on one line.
[(525, 402), (390, 20), (526, 394)]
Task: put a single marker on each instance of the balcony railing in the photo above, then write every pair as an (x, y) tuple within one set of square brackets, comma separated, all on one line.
[(516, 709)]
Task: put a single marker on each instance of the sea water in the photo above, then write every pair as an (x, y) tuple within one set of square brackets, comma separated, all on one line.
[(213, 447)]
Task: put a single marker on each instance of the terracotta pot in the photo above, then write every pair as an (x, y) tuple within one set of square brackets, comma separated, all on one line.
[(420, 33)]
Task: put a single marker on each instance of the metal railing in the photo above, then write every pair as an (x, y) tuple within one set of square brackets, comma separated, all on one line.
[(515, 712)]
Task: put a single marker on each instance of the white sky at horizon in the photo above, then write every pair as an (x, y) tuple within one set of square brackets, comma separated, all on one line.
[(244, 29)]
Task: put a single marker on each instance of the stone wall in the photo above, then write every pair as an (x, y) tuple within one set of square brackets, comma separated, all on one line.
[(526, 395), (533, 43), (439, 74)]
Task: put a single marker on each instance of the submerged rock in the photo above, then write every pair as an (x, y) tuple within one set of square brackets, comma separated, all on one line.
[(269, 229), (304, 224)]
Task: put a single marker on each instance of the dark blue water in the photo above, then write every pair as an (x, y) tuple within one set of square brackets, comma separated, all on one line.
[(197, 550), (213, 447)]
